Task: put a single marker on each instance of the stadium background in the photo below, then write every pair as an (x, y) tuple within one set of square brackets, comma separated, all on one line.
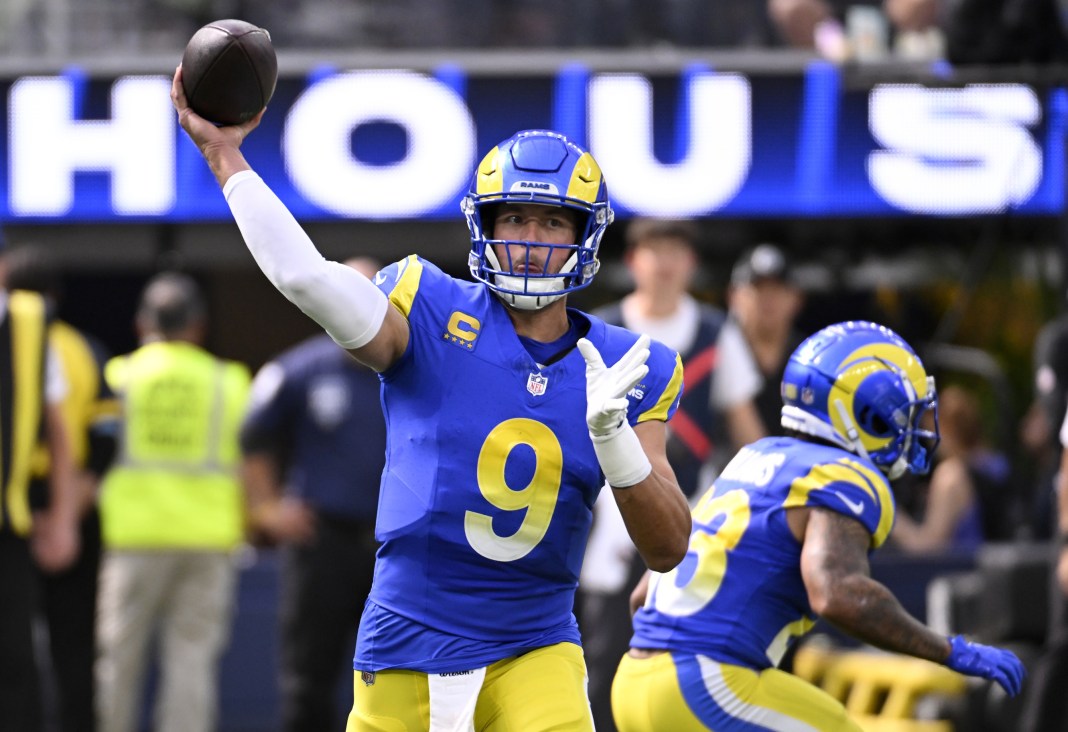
[(979, 275)]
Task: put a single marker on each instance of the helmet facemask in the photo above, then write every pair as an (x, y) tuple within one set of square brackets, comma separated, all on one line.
[(512, 279), (857, 385), (543, 168), (911, 447)]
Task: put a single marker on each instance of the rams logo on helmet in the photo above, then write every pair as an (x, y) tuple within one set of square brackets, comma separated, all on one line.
[(862, 387)]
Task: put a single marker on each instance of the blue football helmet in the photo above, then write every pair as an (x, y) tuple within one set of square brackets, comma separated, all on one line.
[(541, 167), (859, 385)]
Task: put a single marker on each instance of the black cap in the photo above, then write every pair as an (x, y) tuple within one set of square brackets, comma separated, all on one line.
[(762, 262)]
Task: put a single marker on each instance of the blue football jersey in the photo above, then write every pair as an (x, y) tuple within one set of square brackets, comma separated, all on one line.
[(738, 596), (490, 478)]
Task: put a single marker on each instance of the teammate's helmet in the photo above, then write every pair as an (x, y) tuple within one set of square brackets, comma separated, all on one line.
[(859, 385), (541, 167)]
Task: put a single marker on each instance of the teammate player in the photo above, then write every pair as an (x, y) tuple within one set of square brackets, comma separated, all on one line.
[(503, 423), (783, 536)]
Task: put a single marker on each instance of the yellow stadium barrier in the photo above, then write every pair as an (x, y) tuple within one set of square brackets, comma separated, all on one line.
[(879, 690)]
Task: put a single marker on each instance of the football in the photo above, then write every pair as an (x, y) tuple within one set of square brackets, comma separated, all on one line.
[(229, 71)]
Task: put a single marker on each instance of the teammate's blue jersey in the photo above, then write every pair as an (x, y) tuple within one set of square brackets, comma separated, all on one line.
[(490, 477), (738, 596)]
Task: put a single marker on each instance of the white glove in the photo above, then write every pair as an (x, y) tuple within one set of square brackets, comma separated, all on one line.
[(606, 388), (618, 449)]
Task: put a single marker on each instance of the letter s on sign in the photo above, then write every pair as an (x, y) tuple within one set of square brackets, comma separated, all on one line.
[(954, 151)]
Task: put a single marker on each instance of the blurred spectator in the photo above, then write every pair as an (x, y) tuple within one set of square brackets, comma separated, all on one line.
[(841, 30), (764, 301), (1045, 703), (968, 497), (515, 23), (797, 21), (172, 514), (687, 24), (913, 15), (66, 26), (1038, 430), (812, 24), (314, 443), (721, 377), (720, 381), (31, 382), (1005, 32), (342, 24), (961, 31), (532, 25), (69, 597)]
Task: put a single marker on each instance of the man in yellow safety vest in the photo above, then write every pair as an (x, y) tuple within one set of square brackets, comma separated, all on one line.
[(172, 514)]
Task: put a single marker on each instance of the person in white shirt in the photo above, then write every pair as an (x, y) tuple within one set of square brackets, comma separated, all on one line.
[(716, 416)]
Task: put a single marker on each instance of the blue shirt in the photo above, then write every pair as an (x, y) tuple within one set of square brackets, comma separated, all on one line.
[(738, 596), (490, 479), (320, 411)]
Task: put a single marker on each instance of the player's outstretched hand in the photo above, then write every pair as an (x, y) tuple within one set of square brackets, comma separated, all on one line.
[(996, 664), (606, 388), (205, 134)]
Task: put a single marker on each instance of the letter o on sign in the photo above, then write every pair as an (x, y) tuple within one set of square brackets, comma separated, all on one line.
[(316, 144)]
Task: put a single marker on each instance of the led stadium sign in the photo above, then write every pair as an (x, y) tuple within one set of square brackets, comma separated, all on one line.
[(400, 144)]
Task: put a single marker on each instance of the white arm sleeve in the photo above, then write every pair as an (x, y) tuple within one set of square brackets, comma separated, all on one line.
[(337, 297)]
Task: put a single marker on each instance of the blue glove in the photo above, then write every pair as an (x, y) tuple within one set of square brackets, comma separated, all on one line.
[(996, 664)]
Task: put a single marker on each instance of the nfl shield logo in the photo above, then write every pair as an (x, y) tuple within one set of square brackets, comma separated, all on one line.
[(536, 384)]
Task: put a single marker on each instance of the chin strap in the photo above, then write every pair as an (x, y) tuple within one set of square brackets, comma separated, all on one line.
[(525, 302), (534, 293), (851, 430)]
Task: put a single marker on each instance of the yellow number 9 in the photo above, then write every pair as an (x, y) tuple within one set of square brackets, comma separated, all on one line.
[(538, 497), (711, 549)]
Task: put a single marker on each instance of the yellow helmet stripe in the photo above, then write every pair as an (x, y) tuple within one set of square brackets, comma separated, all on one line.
[(490, 178), (585, 179), (858, 366)]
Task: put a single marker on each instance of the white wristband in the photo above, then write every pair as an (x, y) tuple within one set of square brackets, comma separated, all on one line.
[(622, 458), (345, 303)]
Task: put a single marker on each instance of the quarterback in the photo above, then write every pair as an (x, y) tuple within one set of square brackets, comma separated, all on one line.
[(506, 412), (782, 537)]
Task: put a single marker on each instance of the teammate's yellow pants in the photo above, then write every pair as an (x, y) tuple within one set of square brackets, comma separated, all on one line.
[(691, 693)]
